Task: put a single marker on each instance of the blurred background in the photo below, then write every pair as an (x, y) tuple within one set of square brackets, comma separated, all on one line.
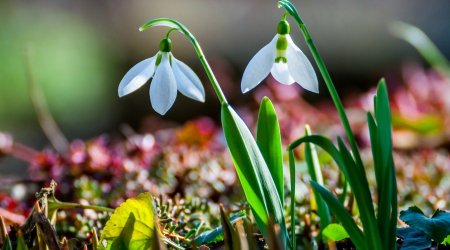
[(78, 51)]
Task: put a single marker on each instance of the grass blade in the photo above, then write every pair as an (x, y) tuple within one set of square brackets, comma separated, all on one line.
[(268, 138)]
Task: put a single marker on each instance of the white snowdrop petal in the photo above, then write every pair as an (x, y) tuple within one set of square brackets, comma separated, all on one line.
[(163, 88), (280, 72), (137, 76), (259, 66), (300, 68), (188, 82)]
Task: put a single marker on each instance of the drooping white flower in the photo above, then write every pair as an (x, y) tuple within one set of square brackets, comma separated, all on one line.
[(284, 60), (169, 75)]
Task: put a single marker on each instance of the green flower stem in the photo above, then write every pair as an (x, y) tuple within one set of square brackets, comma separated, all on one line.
[(290, 8), (180, 27), (70, 205)]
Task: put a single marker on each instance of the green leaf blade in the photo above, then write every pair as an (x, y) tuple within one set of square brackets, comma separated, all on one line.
[(437, 227), (312, 161), (268, 138), (131, 225), (253, 173)]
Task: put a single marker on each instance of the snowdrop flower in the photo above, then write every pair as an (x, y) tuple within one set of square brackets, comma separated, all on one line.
[(284, 60), (169, 75)]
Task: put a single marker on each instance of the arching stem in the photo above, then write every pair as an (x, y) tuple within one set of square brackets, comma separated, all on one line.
[(198, 50)]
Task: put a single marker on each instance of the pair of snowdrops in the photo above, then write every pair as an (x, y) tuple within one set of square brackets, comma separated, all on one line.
[(281, 57)]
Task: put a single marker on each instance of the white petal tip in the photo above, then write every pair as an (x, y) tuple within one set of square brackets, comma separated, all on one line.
[(161, 112), (120, 93)]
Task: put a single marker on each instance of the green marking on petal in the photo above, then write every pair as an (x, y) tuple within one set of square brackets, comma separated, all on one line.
[(158, 59), (281, 59), (282, 43), (281, 46)]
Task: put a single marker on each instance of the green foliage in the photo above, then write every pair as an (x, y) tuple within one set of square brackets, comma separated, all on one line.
[(446, 240), (335, 232), (21, 245), (131, 226), (268, 138), (381, 141), (216, 234), (437, 227), (379, 232), (312, 161), (254, 175), (413, 239), (343, 216)]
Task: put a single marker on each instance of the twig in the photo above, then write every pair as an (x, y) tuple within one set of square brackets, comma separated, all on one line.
[(45, 118)]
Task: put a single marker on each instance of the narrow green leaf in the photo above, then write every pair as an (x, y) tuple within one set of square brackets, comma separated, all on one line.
[(437, 227), (268, 138), (312, 160), (384, 167), (335, 232), (357, 179), (131, 226), (253, 172), (360, 187), (322, 142), (343, 216)]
